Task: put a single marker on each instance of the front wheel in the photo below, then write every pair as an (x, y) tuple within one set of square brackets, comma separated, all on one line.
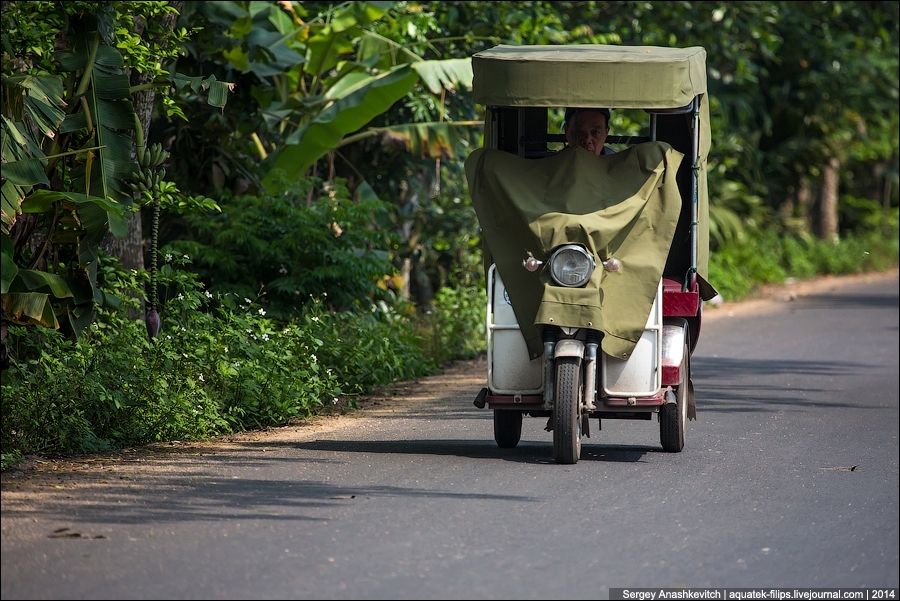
[(673, 417), (507, 428), (567, 411)]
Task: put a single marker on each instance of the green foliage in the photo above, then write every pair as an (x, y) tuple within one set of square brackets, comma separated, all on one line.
[(739, 267), (369, 349), (454, 327), (733, 211), (68, 123), (865, 215), (440, 238), (32, 28), (283, 251), (312, 82), (219, 365)]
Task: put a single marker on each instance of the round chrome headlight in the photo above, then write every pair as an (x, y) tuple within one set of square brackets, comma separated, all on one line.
[(571, 265)]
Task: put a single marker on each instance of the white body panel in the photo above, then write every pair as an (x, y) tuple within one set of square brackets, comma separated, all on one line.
[(641, 374), (510, 371)]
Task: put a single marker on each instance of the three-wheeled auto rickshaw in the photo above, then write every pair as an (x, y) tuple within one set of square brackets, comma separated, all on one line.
[(595, 266)]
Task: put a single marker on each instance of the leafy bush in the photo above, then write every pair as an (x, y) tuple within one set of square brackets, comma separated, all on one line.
[(739, 267), (454, 327), (219, 365), (283, 251), (366, 350)]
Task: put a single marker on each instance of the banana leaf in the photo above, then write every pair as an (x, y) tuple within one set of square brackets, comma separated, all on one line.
[(364, 101), (29, 308), (450, 74), (9, 268), (423, 140)]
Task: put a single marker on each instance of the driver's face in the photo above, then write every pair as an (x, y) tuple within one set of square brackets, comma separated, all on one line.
[(592, 131)]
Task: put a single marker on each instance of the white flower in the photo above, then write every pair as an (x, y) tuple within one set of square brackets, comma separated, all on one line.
[(283, 270), (248, 301), (314, 358), (201, 378), (334, 401), (226, 349), (265, 337), (208, 294), (262, 311), (168, 257), (179, 297), (315, 318)]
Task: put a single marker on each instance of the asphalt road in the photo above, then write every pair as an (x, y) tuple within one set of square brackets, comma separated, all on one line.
[(789, 478)]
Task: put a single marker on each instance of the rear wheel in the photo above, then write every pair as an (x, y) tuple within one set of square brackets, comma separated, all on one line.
[(673, 417), (567, 411), (507, 428)]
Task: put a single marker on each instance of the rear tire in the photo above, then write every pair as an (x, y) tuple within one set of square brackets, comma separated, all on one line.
[(567, 410), (507, 428), (673, 418)]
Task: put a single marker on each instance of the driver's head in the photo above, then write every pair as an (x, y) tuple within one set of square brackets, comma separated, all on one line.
[(587, 128)]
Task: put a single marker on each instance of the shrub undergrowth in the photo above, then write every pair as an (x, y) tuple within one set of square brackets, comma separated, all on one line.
[(738, 269), (219, 365)]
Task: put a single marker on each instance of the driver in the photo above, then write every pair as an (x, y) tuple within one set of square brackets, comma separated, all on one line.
[(588, 128)]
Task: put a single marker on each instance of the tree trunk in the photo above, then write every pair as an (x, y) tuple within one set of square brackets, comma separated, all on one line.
[(886, 202), (881, 190), (804, 201), (828, 201), (130, 250)]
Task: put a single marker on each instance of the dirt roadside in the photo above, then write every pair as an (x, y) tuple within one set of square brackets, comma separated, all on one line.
[(39, 475)]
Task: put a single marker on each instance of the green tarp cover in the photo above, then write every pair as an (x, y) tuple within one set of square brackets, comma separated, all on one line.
[(640, 77), (624, 205)]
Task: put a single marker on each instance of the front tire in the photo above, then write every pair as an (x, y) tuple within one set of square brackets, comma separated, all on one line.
[(567, 411), (507, 428), (673, 417)]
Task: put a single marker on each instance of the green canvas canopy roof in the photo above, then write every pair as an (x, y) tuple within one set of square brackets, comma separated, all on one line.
[(638, 77)]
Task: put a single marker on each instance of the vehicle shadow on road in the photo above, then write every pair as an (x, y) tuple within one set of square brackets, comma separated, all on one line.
[(776, 384), (526, 452), (843, 302)]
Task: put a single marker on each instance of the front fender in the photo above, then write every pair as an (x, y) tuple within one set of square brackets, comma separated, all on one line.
[(569, 348)]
